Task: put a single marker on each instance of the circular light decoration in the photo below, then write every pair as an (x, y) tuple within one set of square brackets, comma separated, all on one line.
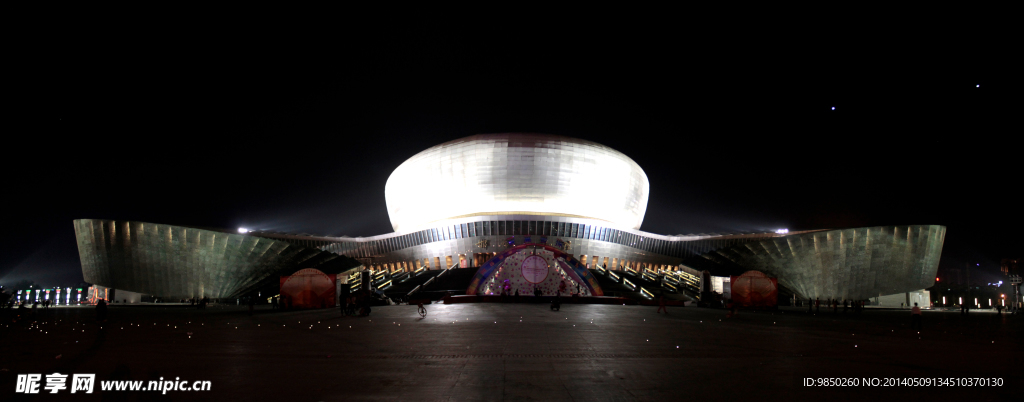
[(516, 174), (534, 269)]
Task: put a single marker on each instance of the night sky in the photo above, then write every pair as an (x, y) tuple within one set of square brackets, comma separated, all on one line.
[(736, 132)]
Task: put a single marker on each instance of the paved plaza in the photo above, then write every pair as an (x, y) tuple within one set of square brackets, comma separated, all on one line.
[(505, 352)]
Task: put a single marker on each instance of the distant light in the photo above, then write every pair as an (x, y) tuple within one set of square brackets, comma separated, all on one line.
[(977, 86), (936, 279), (833, 108), (783, 230), (243, 230)]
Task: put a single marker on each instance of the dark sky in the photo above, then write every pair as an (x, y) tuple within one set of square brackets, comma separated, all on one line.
[(734, 128)]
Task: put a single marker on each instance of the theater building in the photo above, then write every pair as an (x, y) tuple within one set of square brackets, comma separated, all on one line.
[(463, 202)]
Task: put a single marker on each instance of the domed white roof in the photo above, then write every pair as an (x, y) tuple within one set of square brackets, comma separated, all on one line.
[(521, 174)]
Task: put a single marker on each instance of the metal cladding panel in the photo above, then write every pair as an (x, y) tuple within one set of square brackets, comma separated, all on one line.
[(846, 264), (493, 174), (180, 262)]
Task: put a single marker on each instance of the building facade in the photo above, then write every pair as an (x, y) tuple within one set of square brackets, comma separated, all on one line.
[(502, 190)]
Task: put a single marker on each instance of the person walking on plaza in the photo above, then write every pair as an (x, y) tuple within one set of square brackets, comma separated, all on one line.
[(915, 317), (817, 305), (810, 305), (101, 310), (661, 304)]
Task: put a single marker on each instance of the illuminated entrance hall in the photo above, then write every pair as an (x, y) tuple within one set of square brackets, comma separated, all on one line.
[(527, 267)]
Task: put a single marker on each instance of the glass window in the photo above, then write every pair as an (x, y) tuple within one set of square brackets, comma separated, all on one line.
[(546, 230), (532, 229), (501, 228), (487, 228), (517, 227)]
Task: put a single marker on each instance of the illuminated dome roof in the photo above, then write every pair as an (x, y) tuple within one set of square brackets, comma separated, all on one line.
[(517, 174)]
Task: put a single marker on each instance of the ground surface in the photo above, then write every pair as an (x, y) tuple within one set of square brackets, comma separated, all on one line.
[(513, 352)]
